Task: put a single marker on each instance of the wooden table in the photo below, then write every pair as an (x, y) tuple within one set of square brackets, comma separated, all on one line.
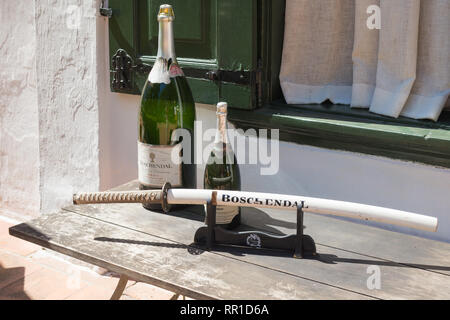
[(158, 249)]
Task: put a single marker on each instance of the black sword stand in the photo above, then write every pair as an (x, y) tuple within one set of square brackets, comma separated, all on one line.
[(300, 244)]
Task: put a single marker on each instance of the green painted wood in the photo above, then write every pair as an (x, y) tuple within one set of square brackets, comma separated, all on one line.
[(356, 131), (270, 35), (237, 41), (275, 44), (122, 33), (195, 28), (242, 97), (207, 36), (121, 27), (204, 91)]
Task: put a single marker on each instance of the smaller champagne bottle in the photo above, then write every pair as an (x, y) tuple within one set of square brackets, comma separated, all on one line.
[(222, 170)]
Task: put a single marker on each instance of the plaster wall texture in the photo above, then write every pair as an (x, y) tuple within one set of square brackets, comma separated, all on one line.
[(19, 152), (49, 109), (67, 99)]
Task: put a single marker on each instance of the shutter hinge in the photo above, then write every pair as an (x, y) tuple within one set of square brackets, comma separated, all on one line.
[(122, 68), (236, 77), (104, 10), (121, 65)]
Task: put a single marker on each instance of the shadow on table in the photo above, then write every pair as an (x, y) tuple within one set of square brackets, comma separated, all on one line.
[(191, 212), (263, 221), (250, 216), (256, 219), (334, 259), (191, 249), (196, 249)]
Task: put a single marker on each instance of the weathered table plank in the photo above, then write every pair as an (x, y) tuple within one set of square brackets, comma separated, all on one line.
[(168, 264), (411, 267), (355, 237), (334, 267), (370, 241)]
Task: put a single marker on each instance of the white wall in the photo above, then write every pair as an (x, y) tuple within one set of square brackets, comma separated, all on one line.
[(19, 152), (49, 105), (118, 114), (66, 51)]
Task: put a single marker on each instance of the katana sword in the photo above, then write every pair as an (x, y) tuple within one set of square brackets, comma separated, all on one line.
[(169, 196)]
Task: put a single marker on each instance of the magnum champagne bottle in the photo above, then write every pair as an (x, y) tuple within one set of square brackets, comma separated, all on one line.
[(222, 170), (166, 105)]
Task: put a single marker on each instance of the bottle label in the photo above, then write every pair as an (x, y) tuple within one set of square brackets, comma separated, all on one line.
[(225, 214), (159, 164)]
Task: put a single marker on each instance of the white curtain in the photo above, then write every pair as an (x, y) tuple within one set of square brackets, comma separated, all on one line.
[(336, 50)]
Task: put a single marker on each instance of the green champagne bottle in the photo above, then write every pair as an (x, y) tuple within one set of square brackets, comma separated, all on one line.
[(166, 105), (222, 171)]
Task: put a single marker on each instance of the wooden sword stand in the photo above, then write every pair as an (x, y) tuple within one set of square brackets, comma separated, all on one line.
[(212, 234)]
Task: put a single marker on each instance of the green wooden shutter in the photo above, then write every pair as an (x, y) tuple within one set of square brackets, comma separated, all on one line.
[(210, 35)]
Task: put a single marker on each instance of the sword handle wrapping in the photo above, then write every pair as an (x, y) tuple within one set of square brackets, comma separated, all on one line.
[(148, 196)]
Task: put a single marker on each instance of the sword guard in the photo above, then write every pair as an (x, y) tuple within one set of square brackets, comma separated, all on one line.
[(164, 204)]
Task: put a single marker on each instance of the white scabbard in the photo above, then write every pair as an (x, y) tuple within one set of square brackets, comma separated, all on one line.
[(264, 200), (315, 205)]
